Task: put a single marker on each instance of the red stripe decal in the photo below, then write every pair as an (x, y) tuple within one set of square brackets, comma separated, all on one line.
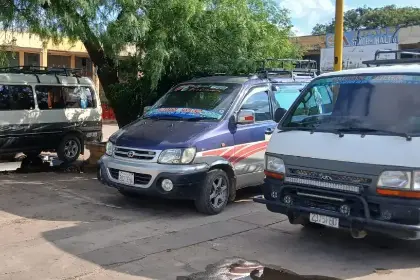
[(245, 155), (241, 154), (216, 152), (237, 153), (229, 153)]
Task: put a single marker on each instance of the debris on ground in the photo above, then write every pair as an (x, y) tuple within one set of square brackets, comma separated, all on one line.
[(241, 269)]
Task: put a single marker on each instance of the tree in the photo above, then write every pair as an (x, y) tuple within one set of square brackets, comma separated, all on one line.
[(369, 18), (174, 39), (321, 29)]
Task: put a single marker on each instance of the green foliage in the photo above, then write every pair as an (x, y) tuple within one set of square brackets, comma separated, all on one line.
[(370, 18), (174, 39)]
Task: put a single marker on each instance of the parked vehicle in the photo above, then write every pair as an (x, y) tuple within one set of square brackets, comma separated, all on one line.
[(202, 140), (346, 153), (47, 109)]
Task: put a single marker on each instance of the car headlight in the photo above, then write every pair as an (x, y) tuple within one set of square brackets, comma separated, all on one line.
[(395, 180), (177, 156), (275, 164), (416, 180), (109, 149)]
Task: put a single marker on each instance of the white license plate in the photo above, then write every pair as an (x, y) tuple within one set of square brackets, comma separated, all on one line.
[(324, 220), (126, 177)]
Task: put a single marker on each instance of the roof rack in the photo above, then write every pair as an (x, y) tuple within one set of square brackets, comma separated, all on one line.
[(413, 57), (42, 70), (299, 68), (203, 75), (30, 69)]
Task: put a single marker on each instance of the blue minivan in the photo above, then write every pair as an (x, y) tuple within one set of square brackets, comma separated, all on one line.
[(202, 141)]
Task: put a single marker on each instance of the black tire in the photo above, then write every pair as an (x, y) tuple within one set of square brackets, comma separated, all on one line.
[(69, 148), (211, 206)]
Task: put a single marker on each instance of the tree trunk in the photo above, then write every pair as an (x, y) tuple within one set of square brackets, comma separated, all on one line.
[(107, 73)]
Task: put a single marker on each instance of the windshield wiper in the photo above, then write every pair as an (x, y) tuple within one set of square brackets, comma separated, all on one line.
[(163, 117), (363, 130), (193, 119), (287, 129)]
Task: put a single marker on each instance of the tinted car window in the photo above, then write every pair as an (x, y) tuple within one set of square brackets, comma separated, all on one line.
[(259, 102), (16, 97), (57, 97)]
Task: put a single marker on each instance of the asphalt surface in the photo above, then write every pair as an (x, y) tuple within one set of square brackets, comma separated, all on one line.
[(68, 226)]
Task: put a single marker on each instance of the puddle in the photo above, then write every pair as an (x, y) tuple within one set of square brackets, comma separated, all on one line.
[(241, 269)]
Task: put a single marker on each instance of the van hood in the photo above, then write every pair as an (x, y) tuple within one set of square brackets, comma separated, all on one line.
[(161, 134), (370, 149)]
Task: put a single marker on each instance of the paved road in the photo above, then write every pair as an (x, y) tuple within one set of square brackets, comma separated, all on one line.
[(66, 226)]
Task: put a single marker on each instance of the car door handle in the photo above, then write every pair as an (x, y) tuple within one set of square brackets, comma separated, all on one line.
[(269, 131)]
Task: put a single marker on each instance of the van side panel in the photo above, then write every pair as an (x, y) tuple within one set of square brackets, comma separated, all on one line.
[(35, 130), (214, 145)]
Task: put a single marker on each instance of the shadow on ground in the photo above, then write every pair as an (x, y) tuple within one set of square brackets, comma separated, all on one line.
[(127, 234)]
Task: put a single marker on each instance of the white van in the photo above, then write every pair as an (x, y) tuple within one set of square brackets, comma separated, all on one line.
[(347, 153), (43, 109)]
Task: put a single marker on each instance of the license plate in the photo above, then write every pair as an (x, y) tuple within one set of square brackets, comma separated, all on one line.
[(126, 178), (324, 220)]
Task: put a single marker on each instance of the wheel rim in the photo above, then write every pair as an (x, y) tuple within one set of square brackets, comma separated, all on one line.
[(71, 148), (219, 192)]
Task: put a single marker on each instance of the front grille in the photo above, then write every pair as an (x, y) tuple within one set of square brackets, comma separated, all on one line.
[(301, 173), (139, 178), (134, 153), (323, 184)]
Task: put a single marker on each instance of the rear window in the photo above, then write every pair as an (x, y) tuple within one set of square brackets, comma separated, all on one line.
[(16, 97)]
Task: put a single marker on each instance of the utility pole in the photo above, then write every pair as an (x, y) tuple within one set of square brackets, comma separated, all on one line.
[(339, 33)]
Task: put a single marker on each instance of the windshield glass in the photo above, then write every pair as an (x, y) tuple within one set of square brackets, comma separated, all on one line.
[(287, 94), (196, 101), (375, 102)]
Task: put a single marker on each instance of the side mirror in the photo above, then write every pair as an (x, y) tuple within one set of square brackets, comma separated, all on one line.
[(279, 114), (245, 117), (146, 108), (275, 88)]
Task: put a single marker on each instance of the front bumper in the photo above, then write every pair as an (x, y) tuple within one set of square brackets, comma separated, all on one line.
[(404, 223), (185, 178)]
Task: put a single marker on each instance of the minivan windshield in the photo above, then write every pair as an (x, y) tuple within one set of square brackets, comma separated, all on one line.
[(359, 104), (204, 101)]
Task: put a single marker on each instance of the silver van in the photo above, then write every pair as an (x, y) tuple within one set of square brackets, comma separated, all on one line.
[(46, 109)]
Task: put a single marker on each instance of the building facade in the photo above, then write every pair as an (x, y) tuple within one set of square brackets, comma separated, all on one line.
[(359, 45), (28, 49)]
